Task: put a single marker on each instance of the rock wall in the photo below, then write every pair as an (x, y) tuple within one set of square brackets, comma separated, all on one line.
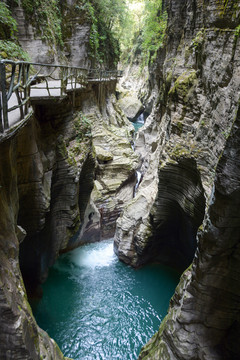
[(133, 92), (198, 73), (39, 39), (116, 164), (48, 171), (19, 334), (62, 156), (197, 76), (203, 319), (48, 187)]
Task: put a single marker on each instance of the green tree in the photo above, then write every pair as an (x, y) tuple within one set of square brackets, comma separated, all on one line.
[(131, 33), (108, 17), (154, 26), (9, 46), (8, 25), (145, 30)]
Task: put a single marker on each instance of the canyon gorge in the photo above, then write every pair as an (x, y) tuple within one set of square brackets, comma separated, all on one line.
[(76, 172)]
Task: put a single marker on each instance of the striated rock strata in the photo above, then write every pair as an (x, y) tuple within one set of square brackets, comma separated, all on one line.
[(203, 319), (115, 172), (197, 76), (20, 337), (49, 168), (47, 41), (48, 188)]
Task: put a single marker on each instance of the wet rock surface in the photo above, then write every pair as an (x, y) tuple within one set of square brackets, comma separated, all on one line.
[(130, 104), (203, 318), (48, 171), (194, 112), (187, 153), (116, 165), (48, 187), (199, 74), (20, 336)]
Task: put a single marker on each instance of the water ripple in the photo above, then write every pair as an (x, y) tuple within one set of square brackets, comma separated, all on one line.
[(97, 308)]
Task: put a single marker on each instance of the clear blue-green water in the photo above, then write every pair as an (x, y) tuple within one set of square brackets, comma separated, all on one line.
[(139, 122), (98, 308)]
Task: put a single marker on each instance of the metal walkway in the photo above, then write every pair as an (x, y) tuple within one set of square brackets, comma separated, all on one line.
[(23, 82)]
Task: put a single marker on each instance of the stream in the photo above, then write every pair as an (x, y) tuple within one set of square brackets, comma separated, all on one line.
[(139, 122), (97, 308)]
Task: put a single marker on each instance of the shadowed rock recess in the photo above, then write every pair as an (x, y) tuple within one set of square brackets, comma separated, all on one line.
[(20, 337)]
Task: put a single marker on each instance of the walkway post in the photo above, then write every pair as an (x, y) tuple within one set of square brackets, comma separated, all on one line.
[(1, 120), (1, 108), (4, 104)]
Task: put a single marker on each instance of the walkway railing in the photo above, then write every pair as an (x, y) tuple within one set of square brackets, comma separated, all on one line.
[(17, 79)]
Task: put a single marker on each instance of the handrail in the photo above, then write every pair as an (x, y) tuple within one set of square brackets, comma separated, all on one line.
[(29, 75), (40, 64)]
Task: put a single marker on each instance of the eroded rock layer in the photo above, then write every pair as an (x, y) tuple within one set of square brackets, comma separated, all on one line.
[(197, 76), (200, 101), (20, 336), (39, 36), (48, 187), (203, 319), (49, 169)]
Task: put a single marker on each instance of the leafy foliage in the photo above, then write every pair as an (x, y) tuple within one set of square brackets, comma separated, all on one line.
[(237, 31), (11, 50), (82, 126), (155, 23), (131, 34), (145, 30), (8, 25), (46, 16), (127, 26), (107, 17)]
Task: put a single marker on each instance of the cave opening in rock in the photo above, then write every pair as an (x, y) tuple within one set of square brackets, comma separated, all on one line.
[(139, 121), (177, 214)]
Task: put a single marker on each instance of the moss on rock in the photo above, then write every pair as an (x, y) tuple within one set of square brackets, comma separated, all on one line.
[(183, 84)]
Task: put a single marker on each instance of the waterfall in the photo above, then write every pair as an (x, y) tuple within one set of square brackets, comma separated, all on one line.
[(141, 118), (138, 180), (139, 122)]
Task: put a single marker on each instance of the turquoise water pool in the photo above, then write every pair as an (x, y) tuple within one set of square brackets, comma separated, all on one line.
[(98, 308)]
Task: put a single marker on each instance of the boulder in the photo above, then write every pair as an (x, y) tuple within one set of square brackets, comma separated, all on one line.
[(130, 104)]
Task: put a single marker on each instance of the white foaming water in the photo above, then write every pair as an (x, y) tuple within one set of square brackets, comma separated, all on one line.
[(100, 256), (140, 119), (138, 176)]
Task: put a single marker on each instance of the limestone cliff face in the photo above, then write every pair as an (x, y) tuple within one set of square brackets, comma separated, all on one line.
[(197, 76), (49, 187), (20, 336), (61, 157), (49, 168), (199, 107), (39, 38), (116, 165), (133, 92), (42, 169), (203, 319)]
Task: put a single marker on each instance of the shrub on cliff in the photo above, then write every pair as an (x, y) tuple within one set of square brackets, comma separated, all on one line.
[(8, 25)]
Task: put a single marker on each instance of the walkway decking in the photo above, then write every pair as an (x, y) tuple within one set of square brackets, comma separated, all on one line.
[(23, 84)]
